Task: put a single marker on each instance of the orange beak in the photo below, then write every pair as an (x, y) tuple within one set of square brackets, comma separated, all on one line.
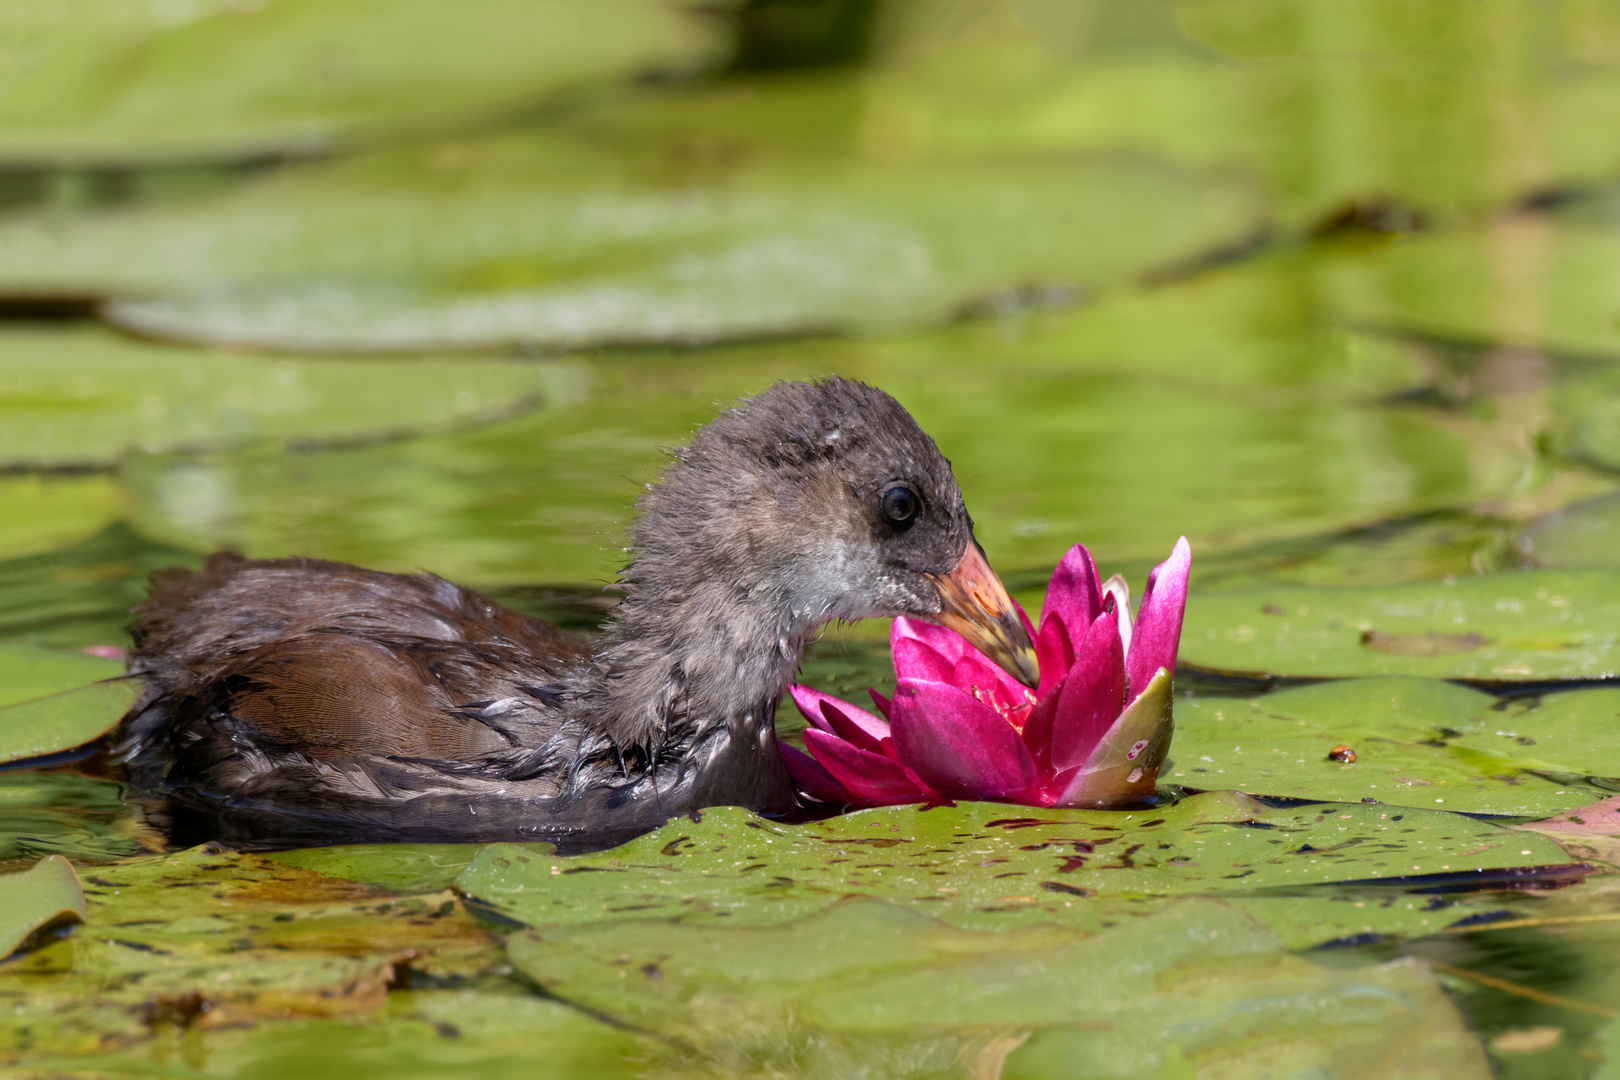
[(976, 605)]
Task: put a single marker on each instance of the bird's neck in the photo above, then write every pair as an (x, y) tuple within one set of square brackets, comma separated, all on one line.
[(688, 677)]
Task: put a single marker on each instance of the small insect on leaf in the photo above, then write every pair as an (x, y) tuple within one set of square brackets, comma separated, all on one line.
[(1342, 753)]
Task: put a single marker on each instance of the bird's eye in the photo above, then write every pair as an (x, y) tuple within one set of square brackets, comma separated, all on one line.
[(900, 505)]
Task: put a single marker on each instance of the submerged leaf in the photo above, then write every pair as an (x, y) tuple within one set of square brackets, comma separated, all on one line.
[(46, 894)]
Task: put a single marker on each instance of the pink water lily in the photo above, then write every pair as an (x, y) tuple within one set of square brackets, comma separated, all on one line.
[(1094, 733)]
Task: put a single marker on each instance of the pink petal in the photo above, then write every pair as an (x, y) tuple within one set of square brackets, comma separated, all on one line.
[(915, 660), (1074, 591), (840, 718), (1054, 652), (883, 704), (1157, 635), (1093, 695), (870, 778), (811, 778), (958, 745), (948, 643)]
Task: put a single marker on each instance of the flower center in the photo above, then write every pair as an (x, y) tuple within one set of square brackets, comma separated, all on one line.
[(1013, 711)]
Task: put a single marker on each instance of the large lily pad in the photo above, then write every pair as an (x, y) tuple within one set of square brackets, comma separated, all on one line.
[(854, 248), (45, 894), (210, 938), (866, 982), (1533, 627), (38, 513), (1567, 735), (27, 673), (87, 397), (1416, 742), (101, 81), (49, 725), (542, 242), (983, 866)]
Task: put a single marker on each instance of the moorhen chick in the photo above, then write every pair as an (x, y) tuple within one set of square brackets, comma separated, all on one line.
[(296, 701)]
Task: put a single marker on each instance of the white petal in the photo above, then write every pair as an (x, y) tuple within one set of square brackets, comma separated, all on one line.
[(1122, 602)]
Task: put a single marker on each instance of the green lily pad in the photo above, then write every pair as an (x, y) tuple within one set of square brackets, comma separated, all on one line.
[(99, 81), (49, 725), (399, 868), (87, 397), (1409, 738), (1568, 735), (45, 894), (27, 673), (212, 939), (38, 513), (496, 1031), (857, 248), (867, 981), (1533, 627), (983, 866)]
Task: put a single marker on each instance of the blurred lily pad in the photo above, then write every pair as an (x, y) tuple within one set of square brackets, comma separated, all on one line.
[(541, 242), (1567, 735), (101, 81), (982, 866), (86, 397), (1540, 626), (865, 980), (1584, 535), (62, 721), (38, 513), (46, 893), (27, 673), (1406, 736), (209, 938), (1476, 286), (545, 497)]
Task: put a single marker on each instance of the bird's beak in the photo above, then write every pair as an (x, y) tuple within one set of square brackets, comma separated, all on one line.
[(975, 604)]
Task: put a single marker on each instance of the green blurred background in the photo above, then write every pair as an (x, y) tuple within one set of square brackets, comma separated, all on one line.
[(1330, 286)]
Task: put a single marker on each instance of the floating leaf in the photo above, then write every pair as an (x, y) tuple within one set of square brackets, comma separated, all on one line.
[(1587, 832), (1569, 735), (210, 938), (495, 1030), (102, 81), (38, 513), (44, 895), (49, 725), (27, 673), (87, 397), (1403, 733), (867, 981), (984, 866), (400, 868), (1539, 626), (1586, 534)]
